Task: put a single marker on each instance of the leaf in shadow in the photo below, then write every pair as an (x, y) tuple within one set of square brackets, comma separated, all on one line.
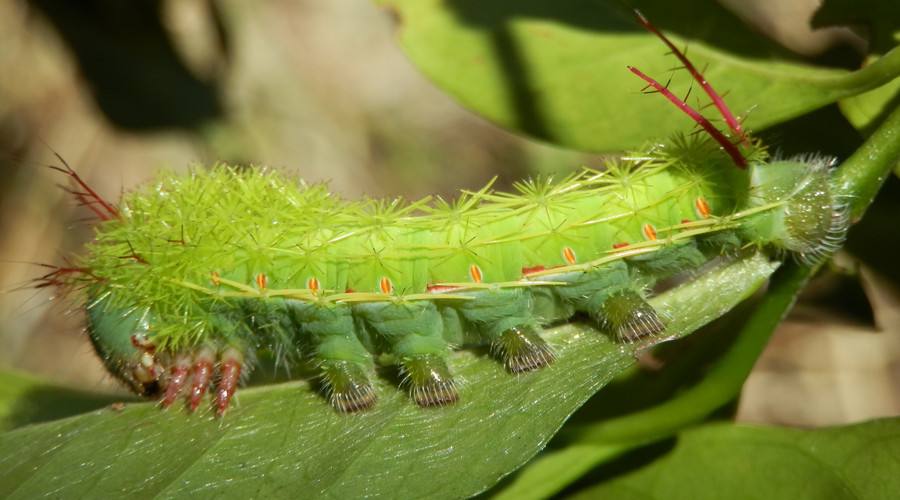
[(27, 400)]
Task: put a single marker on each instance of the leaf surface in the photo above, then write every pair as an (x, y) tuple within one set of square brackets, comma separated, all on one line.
[(739, 461), (284, 440), (25, 399)]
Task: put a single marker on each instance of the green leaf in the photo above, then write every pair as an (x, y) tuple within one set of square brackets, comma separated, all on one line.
[(284, 439), (865, 111), (557, 70), (738, 461), (879, 23), (598, 442), (25, 400)]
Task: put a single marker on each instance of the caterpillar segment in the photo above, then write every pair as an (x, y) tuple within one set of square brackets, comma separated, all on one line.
[(179, 310)]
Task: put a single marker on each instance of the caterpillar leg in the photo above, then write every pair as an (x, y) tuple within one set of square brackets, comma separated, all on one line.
[(347, 385), (230, 367), (610, 297), (179, 373), (141, 369), (342, 359), (429, 379), (413, 333), (522, 350), (629, 316), (505, 318), (200, 370)]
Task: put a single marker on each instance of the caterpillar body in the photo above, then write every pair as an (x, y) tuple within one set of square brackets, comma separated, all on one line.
[(189, 277)]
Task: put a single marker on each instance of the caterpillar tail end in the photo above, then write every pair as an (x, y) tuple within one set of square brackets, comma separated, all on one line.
[(347, 386), (523, 350), (431, 383), (630, 317), (811, 217)]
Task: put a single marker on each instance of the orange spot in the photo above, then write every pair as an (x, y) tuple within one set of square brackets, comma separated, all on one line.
[(649, 231), (702, 208), (621, 244), (533, 269), (215, 278), (569, 255), (685, 221), (349, 290), (262, 281), (313, 284), (475, 273), (386, 285)]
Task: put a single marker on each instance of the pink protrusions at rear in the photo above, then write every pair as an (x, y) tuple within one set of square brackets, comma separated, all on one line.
[(178, 375), (202, 374), (229, 377), (717, 100), (701, 120)]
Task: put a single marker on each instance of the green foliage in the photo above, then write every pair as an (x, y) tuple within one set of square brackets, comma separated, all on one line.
[(557, 70), (26, 400), (285, 438), (739, 461)]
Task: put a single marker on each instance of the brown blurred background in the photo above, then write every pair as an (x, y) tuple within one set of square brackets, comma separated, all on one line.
[(319, 88)]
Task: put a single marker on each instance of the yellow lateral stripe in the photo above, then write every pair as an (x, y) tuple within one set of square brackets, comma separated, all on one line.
[(696, 228)]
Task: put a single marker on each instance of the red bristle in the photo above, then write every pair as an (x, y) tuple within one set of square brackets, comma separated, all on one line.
[(717, 100), (89, 198), (730, 148), (54, 277)]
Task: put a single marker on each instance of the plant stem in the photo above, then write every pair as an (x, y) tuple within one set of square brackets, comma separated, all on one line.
[(879, 73), (862, 175)]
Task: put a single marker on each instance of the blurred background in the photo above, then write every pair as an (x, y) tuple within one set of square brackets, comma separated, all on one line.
[(321, 89)]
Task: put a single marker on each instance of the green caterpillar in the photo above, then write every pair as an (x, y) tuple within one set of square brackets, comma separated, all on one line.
[(189, 277)]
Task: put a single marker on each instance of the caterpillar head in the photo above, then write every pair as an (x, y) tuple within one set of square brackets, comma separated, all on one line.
[(806, 215), (121, 340), (811, 220)]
